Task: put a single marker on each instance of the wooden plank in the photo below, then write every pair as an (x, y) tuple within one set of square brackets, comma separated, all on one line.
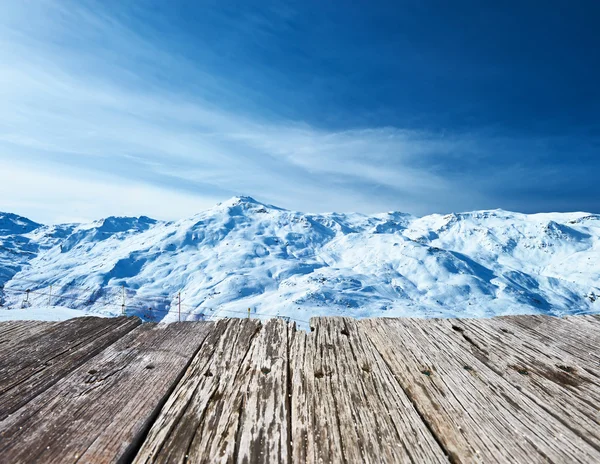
[(346, 404), (579, 339), (169, 438), (590, 328), (476, 414), (263, 429), (7, 326), (315, 432), (231, 404), (17, 332), (46, 345), (43, 358), (559, 342), (591, 318), (101, 411), (556, 381)]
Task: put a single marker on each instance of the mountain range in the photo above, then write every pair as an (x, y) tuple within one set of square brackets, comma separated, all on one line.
[(243, 255)]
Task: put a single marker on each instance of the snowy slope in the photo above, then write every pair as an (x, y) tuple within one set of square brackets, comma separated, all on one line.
[(244, 254)]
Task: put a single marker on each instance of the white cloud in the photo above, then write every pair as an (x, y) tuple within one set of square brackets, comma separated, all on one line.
[(162, 154), (50, 196)]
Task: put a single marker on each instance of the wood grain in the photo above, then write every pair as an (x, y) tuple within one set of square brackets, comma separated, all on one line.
[(101, 411), (201, 419), (554, 380), (578, 337), (509, 389), (232, 404), (17, 332), (346, 404), (474, 410), (50, 352)]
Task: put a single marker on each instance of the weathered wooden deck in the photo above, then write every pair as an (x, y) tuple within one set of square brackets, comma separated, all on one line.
[(511, 389)]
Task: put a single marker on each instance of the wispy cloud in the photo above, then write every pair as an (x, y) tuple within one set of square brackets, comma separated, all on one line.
[(89, 105), (51, 195)]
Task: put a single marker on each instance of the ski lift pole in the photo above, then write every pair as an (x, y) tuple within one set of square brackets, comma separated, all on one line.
[(123, 305), (50, 296), (248, 313), (179, 304), (25, 302)]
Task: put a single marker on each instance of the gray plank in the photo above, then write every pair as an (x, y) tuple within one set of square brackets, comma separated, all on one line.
[(315, 431), (554, 380), (347, 405), (101, 411), (576, 336), (231, 404), (44, 357), (476, 413), (17, 332), (263, 429)]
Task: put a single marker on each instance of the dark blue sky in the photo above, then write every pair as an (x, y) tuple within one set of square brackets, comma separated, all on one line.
[(520, 66), (470, 104)]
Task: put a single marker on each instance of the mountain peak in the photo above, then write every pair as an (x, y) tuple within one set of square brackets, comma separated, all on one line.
[(245, 199), (118, 224), (246, 202), (13, 224)]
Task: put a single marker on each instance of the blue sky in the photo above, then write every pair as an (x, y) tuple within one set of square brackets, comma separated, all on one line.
[(165, 108)]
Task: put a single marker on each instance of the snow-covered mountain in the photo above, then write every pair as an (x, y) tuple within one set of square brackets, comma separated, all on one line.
[(244, 254)]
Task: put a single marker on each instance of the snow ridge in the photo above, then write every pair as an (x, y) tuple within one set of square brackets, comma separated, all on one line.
[(245, 254)]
